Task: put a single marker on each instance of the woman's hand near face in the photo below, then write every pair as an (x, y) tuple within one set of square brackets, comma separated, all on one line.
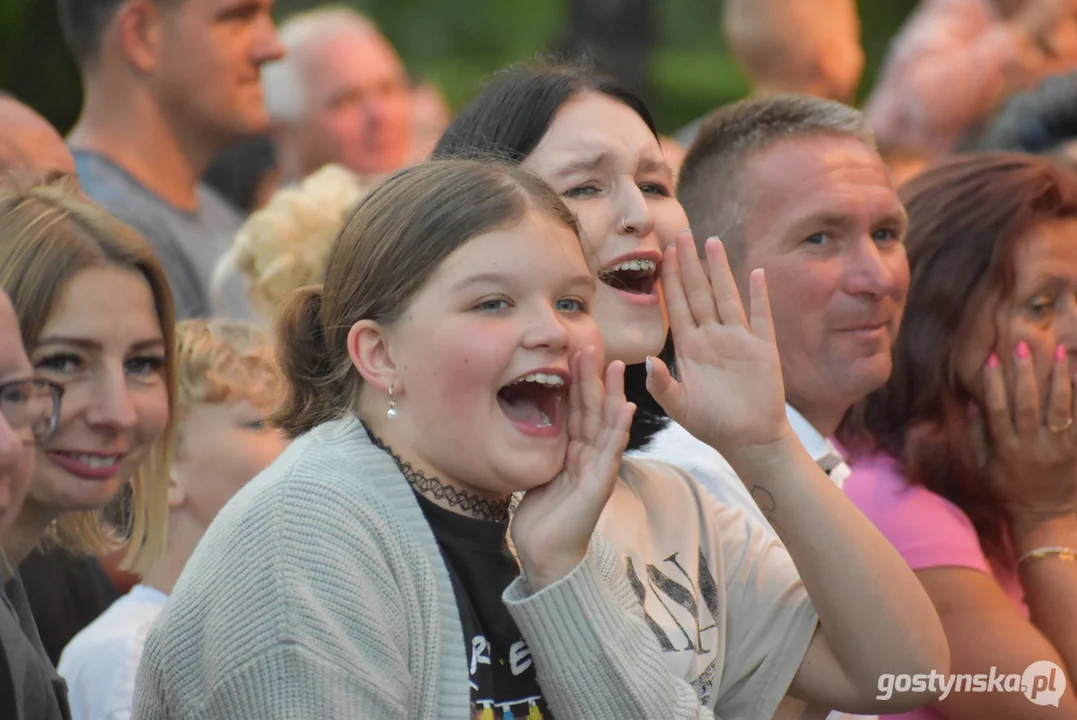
[(1030, 451), (552, 527), (730, 394)]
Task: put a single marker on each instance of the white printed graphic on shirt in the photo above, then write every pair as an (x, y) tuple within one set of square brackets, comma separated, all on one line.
[(519, 659)]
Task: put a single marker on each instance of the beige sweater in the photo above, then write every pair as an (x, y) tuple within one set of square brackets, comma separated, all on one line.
[(319, 592)]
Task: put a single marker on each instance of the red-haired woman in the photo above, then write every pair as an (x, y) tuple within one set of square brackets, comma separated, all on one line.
[(967, 458)]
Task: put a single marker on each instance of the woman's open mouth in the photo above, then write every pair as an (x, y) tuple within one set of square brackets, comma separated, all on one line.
[(535, 403), (636, 277)]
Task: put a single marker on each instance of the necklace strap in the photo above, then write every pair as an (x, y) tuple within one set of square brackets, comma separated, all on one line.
[(481, 508)]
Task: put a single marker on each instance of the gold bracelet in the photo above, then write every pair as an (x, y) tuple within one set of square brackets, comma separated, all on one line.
[(1062, 553)]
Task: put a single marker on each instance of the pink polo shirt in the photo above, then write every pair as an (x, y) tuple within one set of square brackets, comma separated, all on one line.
[(926, 529)]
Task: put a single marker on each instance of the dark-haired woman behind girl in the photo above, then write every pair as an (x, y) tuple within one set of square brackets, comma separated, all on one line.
[(967, 458), (755, 634)]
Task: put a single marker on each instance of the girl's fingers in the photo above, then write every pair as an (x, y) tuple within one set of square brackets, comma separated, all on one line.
[(615, 391), (762, 319), (696, 286), (575, 401), (723, 288), (591, 394), (680, 315), (609, 448)]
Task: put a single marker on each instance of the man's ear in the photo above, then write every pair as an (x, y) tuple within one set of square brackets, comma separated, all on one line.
[(369, 350), (138, 28)]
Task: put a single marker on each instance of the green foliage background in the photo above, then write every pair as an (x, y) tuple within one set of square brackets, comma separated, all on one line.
[(455, 43)]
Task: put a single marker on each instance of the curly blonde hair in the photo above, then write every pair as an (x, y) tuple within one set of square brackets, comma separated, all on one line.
[(217, 361), (285, 245)]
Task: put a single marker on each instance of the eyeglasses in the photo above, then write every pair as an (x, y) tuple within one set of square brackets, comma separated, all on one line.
[(33, 405)]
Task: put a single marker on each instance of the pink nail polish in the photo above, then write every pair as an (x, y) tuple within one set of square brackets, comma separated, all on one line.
[(1022, 350), (992, 360), (1060, 353)]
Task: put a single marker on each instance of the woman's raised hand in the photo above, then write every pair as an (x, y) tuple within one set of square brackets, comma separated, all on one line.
[(553, 524), (730, 393), (1031, 455)]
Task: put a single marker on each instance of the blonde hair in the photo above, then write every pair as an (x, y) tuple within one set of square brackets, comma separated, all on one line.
[(48, 234), (219, 361), (285, 245)]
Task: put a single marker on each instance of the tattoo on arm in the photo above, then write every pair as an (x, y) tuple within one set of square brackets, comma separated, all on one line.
[(764, 499), (766, 502)]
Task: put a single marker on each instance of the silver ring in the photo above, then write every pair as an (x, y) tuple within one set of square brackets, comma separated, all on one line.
[(624, 226), (1064, 428)]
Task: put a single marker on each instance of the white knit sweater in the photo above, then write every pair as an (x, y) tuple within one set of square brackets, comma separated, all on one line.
[(320, 592)]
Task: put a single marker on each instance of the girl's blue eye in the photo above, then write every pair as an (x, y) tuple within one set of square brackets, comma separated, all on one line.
[(571, 305), (493, 305)]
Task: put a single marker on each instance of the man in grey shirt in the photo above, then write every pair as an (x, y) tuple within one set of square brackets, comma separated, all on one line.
[(188, 244), (168, 84)]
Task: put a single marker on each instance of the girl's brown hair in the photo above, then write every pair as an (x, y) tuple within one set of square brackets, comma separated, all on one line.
[(967, 216), (396, 238), (48, 234)]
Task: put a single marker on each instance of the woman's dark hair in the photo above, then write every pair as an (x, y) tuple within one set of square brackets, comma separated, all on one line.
[(511, 114), (396, 238), (507, 120), (967, 217)]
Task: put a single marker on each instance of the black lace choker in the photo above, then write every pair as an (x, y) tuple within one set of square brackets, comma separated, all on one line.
[(481, 508)]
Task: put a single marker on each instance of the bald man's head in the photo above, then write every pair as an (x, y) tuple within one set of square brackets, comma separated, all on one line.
[(29, 143)]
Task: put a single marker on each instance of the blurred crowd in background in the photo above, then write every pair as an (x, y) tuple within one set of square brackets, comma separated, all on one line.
[(237, 136)]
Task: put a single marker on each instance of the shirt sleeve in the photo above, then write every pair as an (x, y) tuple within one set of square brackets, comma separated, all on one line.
[(925, 528), (594, 653), (771, 619)]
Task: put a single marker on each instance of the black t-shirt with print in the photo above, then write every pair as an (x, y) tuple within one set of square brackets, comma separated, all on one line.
[(504, 685)]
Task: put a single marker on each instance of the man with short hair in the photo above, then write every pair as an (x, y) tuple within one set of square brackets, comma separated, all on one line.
[(794, 185), (341, 95), (29, 143), (168, 84)]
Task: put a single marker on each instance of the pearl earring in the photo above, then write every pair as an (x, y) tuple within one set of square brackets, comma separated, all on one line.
[(392, 405)]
